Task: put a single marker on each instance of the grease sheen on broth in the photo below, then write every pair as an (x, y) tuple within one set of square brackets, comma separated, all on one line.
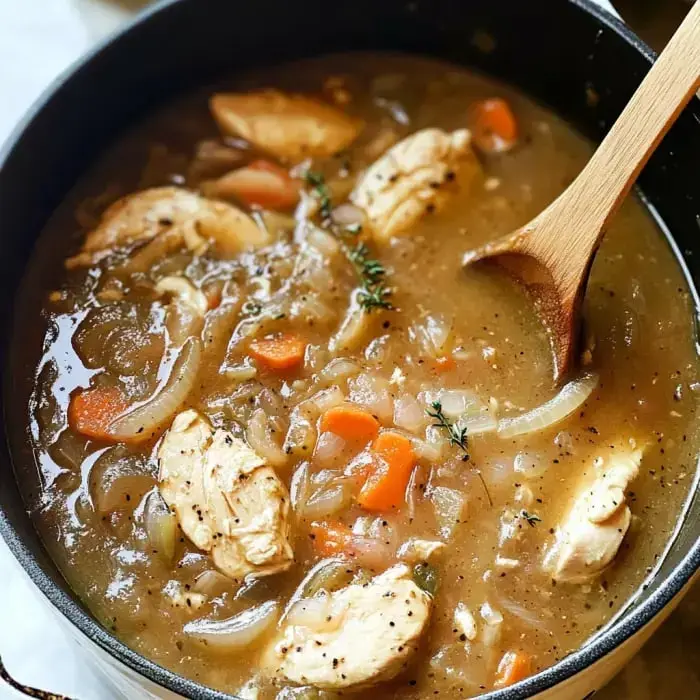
[(639, 330)]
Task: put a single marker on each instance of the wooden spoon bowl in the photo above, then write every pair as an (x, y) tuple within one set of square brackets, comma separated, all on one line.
[(551, 256)]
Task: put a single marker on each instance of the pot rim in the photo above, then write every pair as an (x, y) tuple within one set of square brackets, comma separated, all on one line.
[(610, 638)]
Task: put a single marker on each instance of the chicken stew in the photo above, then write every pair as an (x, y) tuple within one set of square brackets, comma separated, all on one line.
[(287, 446)]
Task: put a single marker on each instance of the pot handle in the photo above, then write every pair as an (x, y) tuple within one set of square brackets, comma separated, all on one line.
[(25, 689)]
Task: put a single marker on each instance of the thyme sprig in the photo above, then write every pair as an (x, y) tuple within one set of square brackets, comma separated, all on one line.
[(372, 273), (530, 518), (374, 293), (457, 436)]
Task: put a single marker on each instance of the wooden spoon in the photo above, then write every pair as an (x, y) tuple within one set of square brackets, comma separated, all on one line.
[(552, 254)]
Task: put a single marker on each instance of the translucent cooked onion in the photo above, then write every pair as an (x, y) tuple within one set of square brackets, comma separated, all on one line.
[(373, 393), (300, 486), (568, 400), (353, 330), (211, 583), (313, 613), (408, 413), (456, 402), (326, 575), (160, 525), (235, 633), (339, 368), (449, 507), (328, 448), (479, 423), (327, 501), (348, 215), (302, 434), (143, 421), (530, 464), (259, 435), (239, 373), (433, 335)]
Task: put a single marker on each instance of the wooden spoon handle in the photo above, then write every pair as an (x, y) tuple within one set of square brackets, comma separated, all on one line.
[(601, 186)]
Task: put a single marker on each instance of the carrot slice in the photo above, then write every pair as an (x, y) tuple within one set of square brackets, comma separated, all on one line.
[(494, 126), (279, 353), (445, 364), (385, 487), (264, 184), (350, 423), (91, 411), (513, 667), (331, 537)]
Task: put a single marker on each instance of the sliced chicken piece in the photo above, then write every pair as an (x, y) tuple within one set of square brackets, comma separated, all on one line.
[(291, 127), (368, 635), (590, 535), (172, 212), (416, 176), (227, 500), (415, 550)]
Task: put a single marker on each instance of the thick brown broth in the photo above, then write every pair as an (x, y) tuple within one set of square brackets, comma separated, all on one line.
[(640, 330)]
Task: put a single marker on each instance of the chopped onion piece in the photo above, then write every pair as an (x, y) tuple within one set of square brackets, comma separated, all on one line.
[(259, 435), (143, 421), (456, 402), (408, 413), (568, 400), (212, 583), (479, 423), (235, 633), (338, 369), (314, 613), (433, 335), (329, 447), (161, 526), (327, 575), (327, 501), (530, 464), (449, 506), (353, 330), (239, 373)]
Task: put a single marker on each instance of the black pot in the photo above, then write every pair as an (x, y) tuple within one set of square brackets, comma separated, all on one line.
[(552, 49)]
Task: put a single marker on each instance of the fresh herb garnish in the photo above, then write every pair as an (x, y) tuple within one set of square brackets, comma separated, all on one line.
[(426, 577), (457, 436), (373, 293), (318, 182), (530, 518), (251, 307)]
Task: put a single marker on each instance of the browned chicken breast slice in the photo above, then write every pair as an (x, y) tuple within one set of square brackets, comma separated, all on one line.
[(291, 127), (366, 633), (227, 500), (185, 216), (416, 176), (591, 534)]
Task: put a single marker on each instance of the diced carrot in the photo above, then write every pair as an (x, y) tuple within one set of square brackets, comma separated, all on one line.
[(350, 423), (385, 487), (330, 538), (264, 184), (91, 411), (280, 352), (494, 126), (513, 667), (445, 364)]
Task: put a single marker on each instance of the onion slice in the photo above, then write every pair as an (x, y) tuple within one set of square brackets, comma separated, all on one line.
[(142, 422), (568, 400), (235, 633)]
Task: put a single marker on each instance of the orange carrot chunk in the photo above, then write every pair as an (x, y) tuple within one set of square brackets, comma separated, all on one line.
[(385, 488), (331, 538), (264, 184), (494, 126), (445, 364), (280, 352), (350, 423), (91, 411), (513, 667)]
